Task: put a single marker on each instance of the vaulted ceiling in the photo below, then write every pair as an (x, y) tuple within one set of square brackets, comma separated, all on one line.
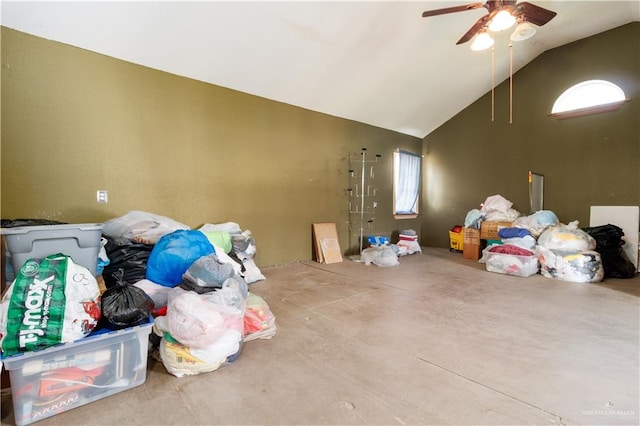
[(376, 62)]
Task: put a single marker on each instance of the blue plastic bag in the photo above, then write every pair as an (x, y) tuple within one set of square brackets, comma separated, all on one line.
[(513, 233), (174, 253)]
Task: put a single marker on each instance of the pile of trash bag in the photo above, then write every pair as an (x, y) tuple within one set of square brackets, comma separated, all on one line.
[(159, 249), (564, 252), (191, 283), (194, 282), (494, 208), (381, 252)]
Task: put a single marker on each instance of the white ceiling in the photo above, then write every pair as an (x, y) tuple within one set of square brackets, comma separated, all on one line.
[(376, 62)]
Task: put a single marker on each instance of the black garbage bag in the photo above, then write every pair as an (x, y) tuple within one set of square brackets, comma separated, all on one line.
[(126, 255), (609, 244), (125, 305), (618, 266)]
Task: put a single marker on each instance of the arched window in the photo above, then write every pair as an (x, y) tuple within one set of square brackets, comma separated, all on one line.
[(588, 97)]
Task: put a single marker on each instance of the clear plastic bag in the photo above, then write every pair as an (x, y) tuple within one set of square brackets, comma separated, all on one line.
[(181, 360), (578, 266), (199, 320), (381, 256), (259, 321), (567, 238), (141, 227)]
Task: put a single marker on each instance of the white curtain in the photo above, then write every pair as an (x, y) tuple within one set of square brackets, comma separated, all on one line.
[(407, 182)]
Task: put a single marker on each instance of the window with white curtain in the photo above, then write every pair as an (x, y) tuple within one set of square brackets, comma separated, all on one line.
[(406, 184)]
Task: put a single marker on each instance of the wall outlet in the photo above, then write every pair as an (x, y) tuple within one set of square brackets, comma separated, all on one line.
[(102, 196)]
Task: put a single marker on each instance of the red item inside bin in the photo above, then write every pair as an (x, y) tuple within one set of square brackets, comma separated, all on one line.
[(510, 249), (64, 380)]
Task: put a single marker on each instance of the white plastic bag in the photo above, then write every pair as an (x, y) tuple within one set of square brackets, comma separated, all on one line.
[(141, 227), (251, 272), (473, 219), (502, 216), (567, 238), (52, 300), (526, 242), (496, 203), (379, 255), (230, 227), (193, 320), (158, 293)]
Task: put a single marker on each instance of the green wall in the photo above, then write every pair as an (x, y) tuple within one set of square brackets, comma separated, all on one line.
[(591, 160), (74, 122)]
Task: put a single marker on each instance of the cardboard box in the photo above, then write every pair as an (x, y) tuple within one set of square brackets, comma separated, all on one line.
[(66, 376), (471, 251), (325, 238), (473, 245), (489, 229), (471, 236)]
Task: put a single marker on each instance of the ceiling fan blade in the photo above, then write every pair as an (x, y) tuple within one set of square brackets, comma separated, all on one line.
[(534, 14), (452, 9), (479, 25)]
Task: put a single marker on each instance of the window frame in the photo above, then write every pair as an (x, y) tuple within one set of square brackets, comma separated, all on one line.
[(396, 174), (586, 91)]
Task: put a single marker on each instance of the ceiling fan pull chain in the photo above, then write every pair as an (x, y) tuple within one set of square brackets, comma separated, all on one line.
[(510, 83), (493, 81)]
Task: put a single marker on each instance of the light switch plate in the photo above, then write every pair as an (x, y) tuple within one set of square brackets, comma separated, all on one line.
[(102, 196)]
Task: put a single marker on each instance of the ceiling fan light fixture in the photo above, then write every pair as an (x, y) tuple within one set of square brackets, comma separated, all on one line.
[(482, 41), (523, 31), (502, 20)]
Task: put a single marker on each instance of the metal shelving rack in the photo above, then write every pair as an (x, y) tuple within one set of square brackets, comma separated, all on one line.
[(361, 195)]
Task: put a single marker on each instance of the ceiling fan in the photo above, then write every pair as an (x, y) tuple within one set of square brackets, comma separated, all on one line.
[(523, 13)]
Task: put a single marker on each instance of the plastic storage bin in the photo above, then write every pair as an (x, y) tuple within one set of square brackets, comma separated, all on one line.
[(80, 241), (511, 264), (66, 376)]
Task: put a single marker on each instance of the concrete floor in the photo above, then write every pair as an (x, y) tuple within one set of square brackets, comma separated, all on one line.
[(435, 340)]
